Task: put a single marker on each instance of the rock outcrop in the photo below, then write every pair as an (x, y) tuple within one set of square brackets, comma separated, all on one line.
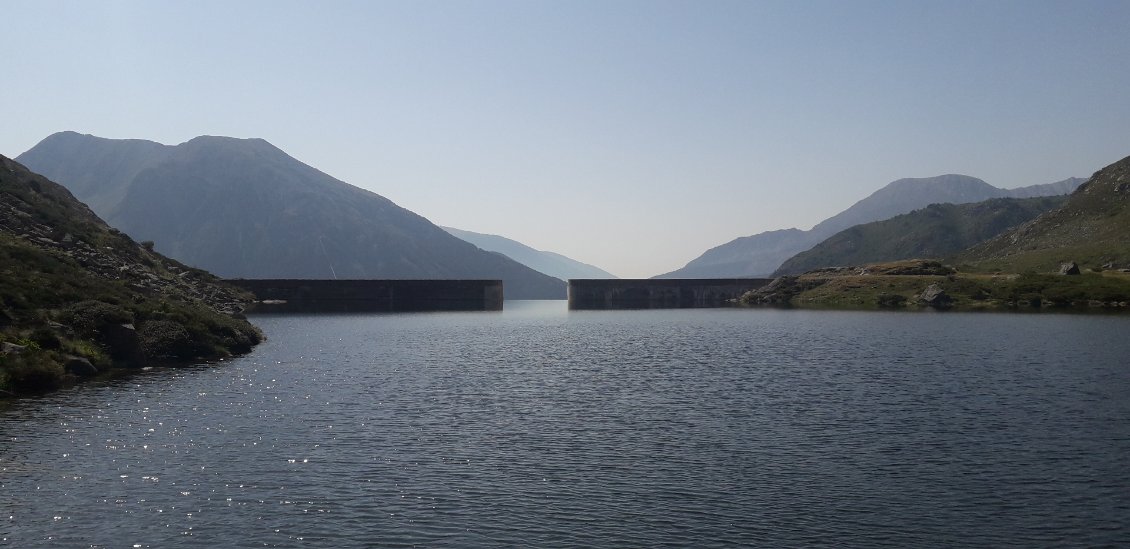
[(934, 296)]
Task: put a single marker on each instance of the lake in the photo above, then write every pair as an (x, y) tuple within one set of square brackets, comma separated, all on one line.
[(543, 427)]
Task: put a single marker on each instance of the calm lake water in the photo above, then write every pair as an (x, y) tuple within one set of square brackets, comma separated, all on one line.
[(541, 427)]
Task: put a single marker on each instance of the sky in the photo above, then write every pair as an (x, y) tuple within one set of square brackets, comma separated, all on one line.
[(631, 135)]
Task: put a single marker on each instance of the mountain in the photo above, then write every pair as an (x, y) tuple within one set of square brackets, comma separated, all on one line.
[(552, 264), (1065, 187), (748, 256), (936, 231), (78, 297), (1091, 229), (906, 195), (761, 254), (243, 208)]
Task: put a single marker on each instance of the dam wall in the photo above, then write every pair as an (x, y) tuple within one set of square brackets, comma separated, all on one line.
[(659, 293), (296, 295)]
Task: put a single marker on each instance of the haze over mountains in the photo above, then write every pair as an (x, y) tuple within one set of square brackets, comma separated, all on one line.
[(550, 263), (242, 208), (761, 254)]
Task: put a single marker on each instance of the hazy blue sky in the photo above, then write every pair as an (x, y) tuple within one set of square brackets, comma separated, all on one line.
[(631, 135)]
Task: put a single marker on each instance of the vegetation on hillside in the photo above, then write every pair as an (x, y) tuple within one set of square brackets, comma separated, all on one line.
[(927, 284), (78, 298), (938, 230), (1022, 267), (1092, 229)]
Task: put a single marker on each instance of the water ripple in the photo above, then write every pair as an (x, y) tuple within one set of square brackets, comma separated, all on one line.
[(545, 428)]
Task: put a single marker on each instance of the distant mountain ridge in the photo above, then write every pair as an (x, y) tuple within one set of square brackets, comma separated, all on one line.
[(242, 208), (761, 254), (550, 263), (936, 231)]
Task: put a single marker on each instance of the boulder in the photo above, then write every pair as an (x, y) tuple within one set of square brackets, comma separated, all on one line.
[(934, 296), (1069, 269), (79, 366), (123, 342), (61, 328)]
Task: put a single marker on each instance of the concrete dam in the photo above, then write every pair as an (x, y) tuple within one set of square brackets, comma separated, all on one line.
[(659, 293), (296, 295)]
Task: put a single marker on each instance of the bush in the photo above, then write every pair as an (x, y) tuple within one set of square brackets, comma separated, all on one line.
[(88, 317), (891, 301), (165, 339), (45, 338), (31, 372)]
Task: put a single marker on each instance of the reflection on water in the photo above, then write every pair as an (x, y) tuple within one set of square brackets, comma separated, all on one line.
[(543, 427)]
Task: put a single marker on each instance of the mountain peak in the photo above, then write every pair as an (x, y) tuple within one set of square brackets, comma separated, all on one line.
[(944, 179), (73, 138), (245, 208), (219, 143)]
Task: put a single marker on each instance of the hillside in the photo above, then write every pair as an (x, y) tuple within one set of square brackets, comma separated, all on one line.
[(78, 298), (242, 208), (761, 254), (929, 284), (936, 231), (1091, 229), (550, 263)]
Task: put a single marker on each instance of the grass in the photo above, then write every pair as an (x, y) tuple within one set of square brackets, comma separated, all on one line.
[(875, 288)]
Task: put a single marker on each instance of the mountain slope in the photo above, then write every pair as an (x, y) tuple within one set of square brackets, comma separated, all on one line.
[(552, 264), (77, 297), (936, 231), (761, 254), (1092, 229), (748, 256), (1065, 187), (242, 208), (906, 195)]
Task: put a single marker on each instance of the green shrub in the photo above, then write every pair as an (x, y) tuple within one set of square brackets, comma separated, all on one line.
[(32, 372), (891, 301), (165, 339), (46, 338), (87, 317)]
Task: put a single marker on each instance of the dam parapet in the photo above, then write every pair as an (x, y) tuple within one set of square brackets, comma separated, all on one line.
[(298, 295), (659, 293)]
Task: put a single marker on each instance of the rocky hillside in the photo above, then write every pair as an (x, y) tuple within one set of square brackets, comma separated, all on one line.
[(78, 298), (1091, 229), (550, 263), (936, 231), (242, 208), (761, 254)]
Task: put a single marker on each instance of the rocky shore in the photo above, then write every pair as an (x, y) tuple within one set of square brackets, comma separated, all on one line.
[(79, 299)]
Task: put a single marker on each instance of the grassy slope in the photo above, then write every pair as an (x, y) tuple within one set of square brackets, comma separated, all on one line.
[(937, 230), (1092, 229), (899, 284)]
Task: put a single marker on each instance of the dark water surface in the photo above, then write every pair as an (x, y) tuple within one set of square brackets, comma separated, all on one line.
[(541, 427)]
